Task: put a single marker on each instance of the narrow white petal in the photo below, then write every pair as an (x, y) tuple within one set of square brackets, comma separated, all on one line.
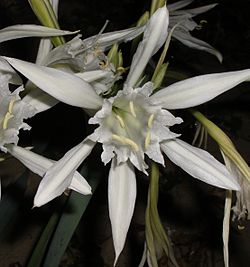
[(29, 30), (187, 39), (55, 4), (121, 196), (36, 163), (5, 68), (200, 164), (80, 185), (144, 256), (59, 176), (200, 89), (106, 40), (93, 75), (40, 100), (154, 37), (179, 5), (63, 86), (45, 46), (195, 11), (39, 165)]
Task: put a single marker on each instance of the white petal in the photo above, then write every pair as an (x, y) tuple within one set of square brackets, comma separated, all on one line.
[(200, 164), (200, 89), (195, 11), (21, 31), (40, 100), (192, 42), (63, 86), (36, 163), (59, 176), (55, 4), (45, 46), (39, 165), (80, 185), (178, 5), (93, 75), (5, 68), (106, 40), (121, 196), (154, 37)]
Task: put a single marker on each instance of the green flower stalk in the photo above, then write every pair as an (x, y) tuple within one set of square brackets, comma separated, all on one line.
[(46, 15), (224, 142), (155, 4), (157, 241)]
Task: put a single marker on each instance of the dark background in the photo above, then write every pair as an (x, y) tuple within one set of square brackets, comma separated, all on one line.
[(191, 211)]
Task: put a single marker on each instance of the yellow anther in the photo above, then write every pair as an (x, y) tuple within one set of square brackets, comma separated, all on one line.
[(11, 104), (131, 143), (6, 119), (118, 138), (126, 141), (121, 121), (150, 120), (147, 140), (132, 108), (121, 69), (103, 64)]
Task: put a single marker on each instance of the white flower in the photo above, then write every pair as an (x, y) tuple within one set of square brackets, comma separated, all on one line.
[(184, 19), (132, 124), (12, 113)]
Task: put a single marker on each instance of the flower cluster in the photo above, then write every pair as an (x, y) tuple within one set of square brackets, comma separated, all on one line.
[(132, 125)]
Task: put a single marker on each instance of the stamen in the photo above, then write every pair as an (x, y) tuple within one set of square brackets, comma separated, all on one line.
[(121, 121), (131, 143), (147, 140), (11, 104), (150, 120), (125, 141), (6, 119), (132, 108), (118, 138), (121, 69), (103, 64)]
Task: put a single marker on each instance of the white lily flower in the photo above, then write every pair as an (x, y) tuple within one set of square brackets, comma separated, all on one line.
[(12, 113), (85, 55), (184, 19), (133, 124)]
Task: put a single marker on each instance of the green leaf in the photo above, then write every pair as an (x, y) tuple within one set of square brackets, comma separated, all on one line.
[(74, 209), (41, 246)]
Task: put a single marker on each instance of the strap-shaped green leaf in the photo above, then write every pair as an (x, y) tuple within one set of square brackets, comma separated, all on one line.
[(68, 222)]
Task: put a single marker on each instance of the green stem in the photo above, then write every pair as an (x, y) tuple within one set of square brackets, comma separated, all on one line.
[(46, 15)]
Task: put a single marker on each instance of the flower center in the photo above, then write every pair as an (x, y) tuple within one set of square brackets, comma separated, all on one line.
[(132, 125)]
